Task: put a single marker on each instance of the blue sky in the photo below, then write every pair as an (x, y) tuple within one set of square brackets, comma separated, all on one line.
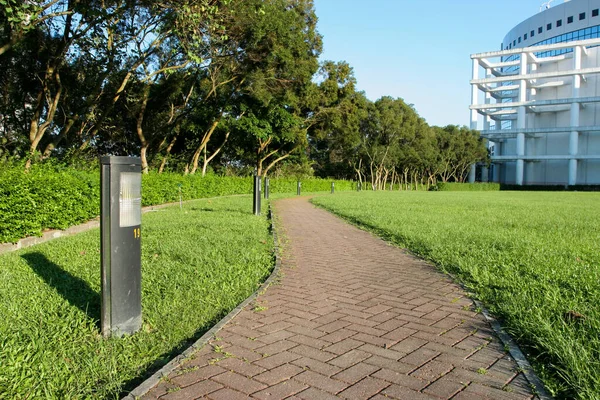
[(418, 50)]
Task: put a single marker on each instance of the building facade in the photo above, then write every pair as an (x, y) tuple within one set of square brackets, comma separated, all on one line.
[(537, 100)]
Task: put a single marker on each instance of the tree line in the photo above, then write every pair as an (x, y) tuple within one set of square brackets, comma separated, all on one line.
[(199, 85)]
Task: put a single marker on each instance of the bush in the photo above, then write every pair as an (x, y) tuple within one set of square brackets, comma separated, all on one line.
[(551, 188), (48, 197), (55, 197), (164, 188), (289, 185), (466, 187)]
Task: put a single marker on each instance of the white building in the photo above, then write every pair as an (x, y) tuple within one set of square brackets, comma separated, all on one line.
[(537, 100)]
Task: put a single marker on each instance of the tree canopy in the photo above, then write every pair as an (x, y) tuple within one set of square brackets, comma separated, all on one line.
[(201, 85)]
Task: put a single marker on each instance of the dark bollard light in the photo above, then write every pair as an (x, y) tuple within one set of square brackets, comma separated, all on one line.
[(120, 245), (332, 187), (256, 198), (267, 188), (299, 188)]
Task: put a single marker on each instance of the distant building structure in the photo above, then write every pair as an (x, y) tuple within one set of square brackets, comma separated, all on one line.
[(537, 100)]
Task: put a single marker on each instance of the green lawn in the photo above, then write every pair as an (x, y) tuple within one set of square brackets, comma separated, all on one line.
[(533, 258), (197, 264)]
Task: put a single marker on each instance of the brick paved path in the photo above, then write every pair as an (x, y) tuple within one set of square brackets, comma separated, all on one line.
[(352, 317)]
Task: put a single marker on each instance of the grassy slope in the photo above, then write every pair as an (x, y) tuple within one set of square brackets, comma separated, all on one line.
[(533, 258), (197, 264)]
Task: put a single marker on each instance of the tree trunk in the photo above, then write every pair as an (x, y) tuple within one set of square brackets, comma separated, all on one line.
[(167, 153), (385, 177), (37, 130), (373, 187), (283, 157), (140, 130), (203, 143), (360, 180), (207, 160)]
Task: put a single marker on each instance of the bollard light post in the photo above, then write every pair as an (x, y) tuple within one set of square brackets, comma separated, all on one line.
[(267, 188), (299, 188), (332, 187), (256, 198), (120, 245)]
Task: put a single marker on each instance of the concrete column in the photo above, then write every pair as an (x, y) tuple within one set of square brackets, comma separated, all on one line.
[(521, 121), (474, 115), (497, 166), (574, 135), (488, 100), (520, 161), (485, 174), (474, 93), (472, 173)]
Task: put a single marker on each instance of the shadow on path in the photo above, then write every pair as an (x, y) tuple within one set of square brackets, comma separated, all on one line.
[(73, 289)]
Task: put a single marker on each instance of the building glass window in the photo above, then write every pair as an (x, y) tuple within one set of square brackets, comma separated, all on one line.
[(570, 20), (540, 29), (525, 37), (515, 42), (559, 23), (532, 33), (581, 16), (548, 26), (595, 13), (586, 33), (519, 39)]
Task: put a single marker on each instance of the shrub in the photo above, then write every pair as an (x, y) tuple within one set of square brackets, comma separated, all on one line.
[(52, 196), (48, 197), (466, 187), (551, 188), (289, 185)]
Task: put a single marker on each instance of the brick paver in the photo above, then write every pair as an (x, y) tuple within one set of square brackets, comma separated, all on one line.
[(351, 317)]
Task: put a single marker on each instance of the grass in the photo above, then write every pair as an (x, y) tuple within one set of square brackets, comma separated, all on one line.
[(532, 258), (197, 264)]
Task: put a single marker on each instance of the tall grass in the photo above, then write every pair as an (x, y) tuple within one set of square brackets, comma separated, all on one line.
[(533, 258), (197, 264)]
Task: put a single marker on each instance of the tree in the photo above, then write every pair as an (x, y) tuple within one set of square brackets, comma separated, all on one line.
[(84, 56), (335, 114), (459, 148)]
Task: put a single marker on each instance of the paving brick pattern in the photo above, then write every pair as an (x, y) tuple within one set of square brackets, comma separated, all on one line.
[(354, 318)]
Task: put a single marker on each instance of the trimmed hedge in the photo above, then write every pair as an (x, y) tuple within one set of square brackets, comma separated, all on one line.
[(289, 185), (477, 187), (164, 188), (551, 188), (56, 197), (466, 187), (48, 197)]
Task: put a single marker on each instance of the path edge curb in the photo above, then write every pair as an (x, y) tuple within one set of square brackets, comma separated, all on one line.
[(153, 380), (515, 352), (513, 348)]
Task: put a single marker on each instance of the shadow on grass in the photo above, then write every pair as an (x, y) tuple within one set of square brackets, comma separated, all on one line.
[(73, 289)]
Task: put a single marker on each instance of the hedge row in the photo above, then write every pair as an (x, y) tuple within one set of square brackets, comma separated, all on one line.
[(55, 197), (477, 187), (45, 198), (552, 188), (466, 187)]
